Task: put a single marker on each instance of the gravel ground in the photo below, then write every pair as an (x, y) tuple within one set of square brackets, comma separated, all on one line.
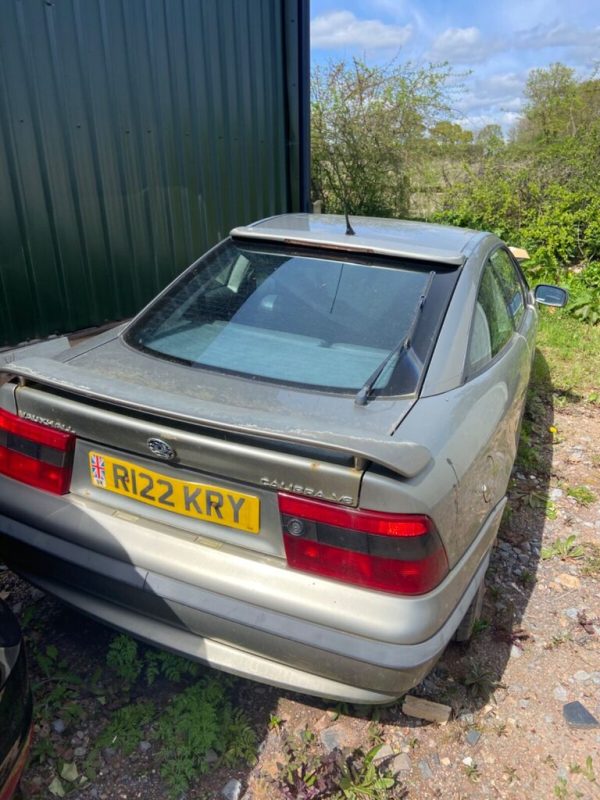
[(537, 649)]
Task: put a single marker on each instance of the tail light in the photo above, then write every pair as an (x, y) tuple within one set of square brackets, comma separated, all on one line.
[(35, 454), (398, 553)]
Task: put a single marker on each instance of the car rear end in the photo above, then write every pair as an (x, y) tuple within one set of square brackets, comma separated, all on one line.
[(279, 531), (15, 704)]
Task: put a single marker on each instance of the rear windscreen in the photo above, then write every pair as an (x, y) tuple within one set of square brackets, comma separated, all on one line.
[(284, 317)]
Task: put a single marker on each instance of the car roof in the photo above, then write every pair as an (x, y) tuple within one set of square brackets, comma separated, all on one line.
[(418, 240)]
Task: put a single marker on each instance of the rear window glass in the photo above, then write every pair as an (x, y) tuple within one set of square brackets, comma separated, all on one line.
[(286, 317)]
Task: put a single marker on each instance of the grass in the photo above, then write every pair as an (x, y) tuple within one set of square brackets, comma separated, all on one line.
[(582, 494), (564, 549), (591, 566), (572, 352)]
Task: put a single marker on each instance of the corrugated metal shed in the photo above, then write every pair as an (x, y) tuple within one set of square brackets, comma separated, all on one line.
[(133, 135)]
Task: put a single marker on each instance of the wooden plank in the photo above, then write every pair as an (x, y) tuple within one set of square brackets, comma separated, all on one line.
[(425, 709)]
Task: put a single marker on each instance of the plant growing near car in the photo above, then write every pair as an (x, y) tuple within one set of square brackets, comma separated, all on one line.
[(560, 789), (472, 772), (582, 494), (481, 682), (274, 723), (565, 549), (199, 719), (305, 775), (360, 778), (126, 729), (591, 567), (123, 659), (587, 770), (169, 665)]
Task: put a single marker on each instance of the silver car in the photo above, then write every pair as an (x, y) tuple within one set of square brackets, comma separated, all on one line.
[(293, 463)]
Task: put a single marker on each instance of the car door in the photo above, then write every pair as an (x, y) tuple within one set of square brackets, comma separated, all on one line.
[(496, 378)]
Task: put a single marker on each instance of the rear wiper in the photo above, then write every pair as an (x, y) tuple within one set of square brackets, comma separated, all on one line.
[(362, 398)]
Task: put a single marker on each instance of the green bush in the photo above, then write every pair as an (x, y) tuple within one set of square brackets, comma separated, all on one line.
[(558, 225)]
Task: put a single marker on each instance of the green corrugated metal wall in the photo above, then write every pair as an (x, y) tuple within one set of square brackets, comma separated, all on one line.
[(133, 135)]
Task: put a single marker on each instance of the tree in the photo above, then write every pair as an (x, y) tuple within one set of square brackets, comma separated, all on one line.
[(450, 133), (368, 124), (553, 105), (490, 139)]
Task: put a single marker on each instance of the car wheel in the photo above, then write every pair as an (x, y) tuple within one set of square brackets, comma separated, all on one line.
[(465, 629)]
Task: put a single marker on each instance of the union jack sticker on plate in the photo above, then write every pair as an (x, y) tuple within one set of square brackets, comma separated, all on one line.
[(98, 470)]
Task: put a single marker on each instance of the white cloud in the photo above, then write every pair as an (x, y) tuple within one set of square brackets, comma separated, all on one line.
[(500, 90), (340, 29), (462, 46), (557, 35), (506, 119)]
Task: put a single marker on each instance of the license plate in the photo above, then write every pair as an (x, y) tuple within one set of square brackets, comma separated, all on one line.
[(196, 500)]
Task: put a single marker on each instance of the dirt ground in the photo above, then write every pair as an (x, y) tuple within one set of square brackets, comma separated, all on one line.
[(537, 648)]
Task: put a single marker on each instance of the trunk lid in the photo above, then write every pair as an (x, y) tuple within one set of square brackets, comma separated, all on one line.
[(238, 436)]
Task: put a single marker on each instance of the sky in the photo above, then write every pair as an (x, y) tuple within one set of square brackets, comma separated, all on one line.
[(496, 42)]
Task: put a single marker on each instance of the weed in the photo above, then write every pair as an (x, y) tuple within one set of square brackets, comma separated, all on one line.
[(126, 728), (479, 626), (506, 516), (582, 494), (481, 682), (527, 457), (557, 640), (501, 729), (42, 750), (240, 738), (304, 775), (472, 772), (28, 617), (123, 659), (495, 592), (340, 710), (360, 778), (375, 733), (564, 549), (560, 789), (587, 771), (537, 500), (526, 578), (169, 665), (275, 722), (591, 566), (199, 719)]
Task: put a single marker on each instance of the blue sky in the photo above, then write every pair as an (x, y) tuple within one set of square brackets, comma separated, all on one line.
[(498, 42)]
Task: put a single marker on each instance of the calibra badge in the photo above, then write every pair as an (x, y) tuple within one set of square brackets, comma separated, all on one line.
[(161, 449)]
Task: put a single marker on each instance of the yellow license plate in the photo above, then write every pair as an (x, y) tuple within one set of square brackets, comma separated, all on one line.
[(196, 500)]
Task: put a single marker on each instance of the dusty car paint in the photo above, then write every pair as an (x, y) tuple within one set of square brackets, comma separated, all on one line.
[(226, 596)]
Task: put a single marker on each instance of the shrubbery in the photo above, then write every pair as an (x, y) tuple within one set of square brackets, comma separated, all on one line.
[(379, 138)]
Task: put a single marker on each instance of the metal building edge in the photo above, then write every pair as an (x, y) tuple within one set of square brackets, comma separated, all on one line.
[(132, 138)]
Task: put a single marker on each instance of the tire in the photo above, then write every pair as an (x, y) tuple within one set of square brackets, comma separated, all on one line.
[(464, 631)]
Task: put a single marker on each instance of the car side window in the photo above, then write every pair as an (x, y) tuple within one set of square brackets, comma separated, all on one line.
[(492, 321), (510, 283)]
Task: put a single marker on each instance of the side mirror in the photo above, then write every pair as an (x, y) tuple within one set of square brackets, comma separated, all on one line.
[(547, 295)]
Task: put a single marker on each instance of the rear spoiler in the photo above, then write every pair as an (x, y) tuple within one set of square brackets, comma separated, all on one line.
[(405, 458)]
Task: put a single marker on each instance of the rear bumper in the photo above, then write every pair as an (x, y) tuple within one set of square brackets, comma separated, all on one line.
[(246, 638)]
